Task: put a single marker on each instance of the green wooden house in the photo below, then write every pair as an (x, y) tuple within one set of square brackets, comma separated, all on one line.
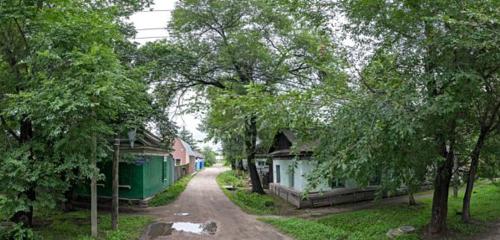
[(146, 168)]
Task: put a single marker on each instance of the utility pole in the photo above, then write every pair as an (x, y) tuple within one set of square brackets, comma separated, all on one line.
[(115, 176)]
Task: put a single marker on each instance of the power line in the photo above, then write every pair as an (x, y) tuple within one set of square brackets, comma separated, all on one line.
[(156, 10), (153, 28), (151, 37)]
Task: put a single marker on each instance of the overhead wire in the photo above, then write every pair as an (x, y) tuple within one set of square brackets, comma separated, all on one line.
[(159, 10), (151, 37), (153, 28)]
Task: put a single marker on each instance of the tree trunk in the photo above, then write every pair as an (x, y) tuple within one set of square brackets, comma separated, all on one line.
[(115, 176), (456, 178), (67, 206), (411, 199), (93, 187), (472, 174), (440, 197), (250, 142), (233, 166), (239, 165), (25, 217)]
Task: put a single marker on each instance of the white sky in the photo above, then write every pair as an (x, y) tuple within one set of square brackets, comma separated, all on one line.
[(158, 18)]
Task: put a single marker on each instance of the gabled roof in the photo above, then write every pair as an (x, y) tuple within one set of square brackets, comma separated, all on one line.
[(144, 141), (286, 144), (188, 148)]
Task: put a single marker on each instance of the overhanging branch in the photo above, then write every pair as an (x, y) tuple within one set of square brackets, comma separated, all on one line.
[(12, 132)]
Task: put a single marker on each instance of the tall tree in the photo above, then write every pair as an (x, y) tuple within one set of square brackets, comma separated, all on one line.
[(431, 83), (63, 86), (220, 48), (209, 155), (187, 136)]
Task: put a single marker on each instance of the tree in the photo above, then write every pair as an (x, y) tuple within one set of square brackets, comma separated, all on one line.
[(220, 48), (64, 92), (209, 155), (431, 83), (490, 164), (187, 136)]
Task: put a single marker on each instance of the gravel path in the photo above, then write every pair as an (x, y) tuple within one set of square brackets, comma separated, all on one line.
[(204, 202)]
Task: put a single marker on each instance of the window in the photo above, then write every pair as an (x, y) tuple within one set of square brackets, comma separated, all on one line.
[(278, 174), (291, 179), (337, 183), (177, 162)]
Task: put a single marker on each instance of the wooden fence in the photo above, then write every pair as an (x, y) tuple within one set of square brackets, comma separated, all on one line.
[(321, 199), (181, 171)]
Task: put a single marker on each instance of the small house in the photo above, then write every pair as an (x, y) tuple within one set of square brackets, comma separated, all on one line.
[(292, 162), (184, 156), (145, 169)]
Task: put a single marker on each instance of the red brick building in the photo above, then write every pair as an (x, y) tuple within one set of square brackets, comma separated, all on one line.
[(183, 154)]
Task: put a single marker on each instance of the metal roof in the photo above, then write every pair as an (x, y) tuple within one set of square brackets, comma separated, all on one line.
[(188, 148)]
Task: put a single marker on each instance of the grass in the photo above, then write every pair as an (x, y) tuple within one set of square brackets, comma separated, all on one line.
[(171, 193), (249, 202), (374, 223), (76, 226)]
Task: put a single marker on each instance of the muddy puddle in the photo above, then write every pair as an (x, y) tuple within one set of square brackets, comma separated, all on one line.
[(159, 229)]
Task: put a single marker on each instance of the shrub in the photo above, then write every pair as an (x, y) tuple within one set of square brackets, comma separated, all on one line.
[(253, 203)]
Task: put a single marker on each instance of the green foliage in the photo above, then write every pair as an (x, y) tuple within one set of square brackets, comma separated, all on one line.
[(76, 225), (187, 136), (490, 165), (231, 178), (171, 193), (301, 229), (209, 156), (249, 202), (16, 232), (374, 223), (117, 235), (417, 96), (64, 81), (223, 49)]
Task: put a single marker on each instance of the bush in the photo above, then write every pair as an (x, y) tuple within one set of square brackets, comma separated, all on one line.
[(231, 178), (17, 231), (253, 203), (116, 235)]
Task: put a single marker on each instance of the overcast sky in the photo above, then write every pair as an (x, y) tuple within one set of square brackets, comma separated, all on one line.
[(151, 26)]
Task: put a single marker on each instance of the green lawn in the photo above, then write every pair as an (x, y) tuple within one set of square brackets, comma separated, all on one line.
[(76, 225), (249, 202), (171, 193), (374, 223)]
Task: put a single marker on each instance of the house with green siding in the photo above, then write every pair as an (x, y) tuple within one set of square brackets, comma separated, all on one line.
[(146, 168)]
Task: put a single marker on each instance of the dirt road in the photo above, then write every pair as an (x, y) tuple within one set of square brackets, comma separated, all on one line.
[(204, 201), (492, 234)]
